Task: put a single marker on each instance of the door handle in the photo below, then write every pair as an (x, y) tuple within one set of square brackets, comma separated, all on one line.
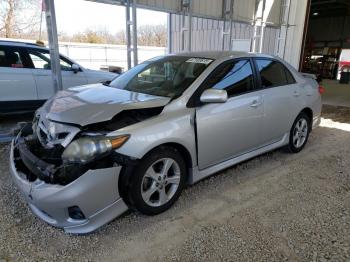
[(42, 75), (255, 103), (296, 93)]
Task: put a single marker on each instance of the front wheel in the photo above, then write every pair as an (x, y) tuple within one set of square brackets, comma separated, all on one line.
[(299, 133), (158, 181)]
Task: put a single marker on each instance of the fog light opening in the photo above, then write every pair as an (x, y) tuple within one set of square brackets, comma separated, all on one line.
[(76, 213)]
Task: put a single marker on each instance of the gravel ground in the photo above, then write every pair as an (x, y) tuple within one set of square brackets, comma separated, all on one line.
[(278, 206)]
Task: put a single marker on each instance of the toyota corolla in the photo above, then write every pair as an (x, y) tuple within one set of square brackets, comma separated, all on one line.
[(95, 151)]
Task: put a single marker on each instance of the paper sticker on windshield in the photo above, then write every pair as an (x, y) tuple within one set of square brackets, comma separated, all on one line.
[(199, 60)]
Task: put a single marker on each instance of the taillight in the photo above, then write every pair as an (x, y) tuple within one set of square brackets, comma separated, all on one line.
[(321, 89)]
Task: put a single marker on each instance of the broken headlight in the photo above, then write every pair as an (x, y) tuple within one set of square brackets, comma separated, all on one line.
[(86, 149)]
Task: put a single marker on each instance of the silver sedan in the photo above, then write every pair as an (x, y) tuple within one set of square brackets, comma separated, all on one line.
[(95, 151)]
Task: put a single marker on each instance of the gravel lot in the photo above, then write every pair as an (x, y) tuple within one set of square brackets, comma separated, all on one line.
[(275, 207)]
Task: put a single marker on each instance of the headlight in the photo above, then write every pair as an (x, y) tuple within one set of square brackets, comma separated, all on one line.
[(87, 148)]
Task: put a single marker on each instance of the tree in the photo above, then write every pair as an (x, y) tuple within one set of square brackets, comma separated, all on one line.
[(152, 35), (92, 36), (121, 38), (148, 35), (19, 17)]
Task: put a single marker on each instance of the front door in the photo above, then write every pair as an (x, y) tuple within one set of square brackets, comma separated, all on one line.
[(43, 77), (226, 130), (16, 79), (17, 85)]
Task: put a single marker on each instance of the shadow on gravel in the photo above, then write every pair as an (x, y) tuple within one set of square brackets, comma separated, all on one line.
[(7, 122)]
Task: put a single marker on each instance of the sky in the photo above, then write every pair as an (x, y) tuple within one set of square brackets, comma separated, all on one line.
[(79, 15)]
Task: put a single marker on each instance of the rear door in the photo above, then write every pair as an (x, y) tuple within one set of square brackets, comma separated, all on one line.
[(281, 98), (42, 73), (226, 130), (17, 84)]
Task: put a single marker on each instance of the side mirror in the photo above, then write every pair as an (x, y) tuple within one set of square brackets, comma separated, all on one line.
[(214, 96), (75, 68), (106, 83)]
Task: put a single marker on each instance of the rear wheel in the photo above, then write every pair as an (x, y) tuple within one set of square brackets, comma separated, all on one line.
[(299, 133), (158, 181)]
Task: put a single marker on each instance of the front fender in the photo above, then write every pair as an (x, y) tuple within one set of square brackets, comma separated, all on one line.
[(168, 127)]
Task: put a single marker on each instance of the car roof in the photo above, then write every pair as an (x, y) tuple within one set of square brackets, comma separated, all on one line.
[(21, 44), (220, 54)]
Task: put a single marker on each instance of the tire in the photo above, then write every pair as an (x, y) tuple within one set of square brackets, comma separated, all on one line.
[(158, 181), (299, 133)]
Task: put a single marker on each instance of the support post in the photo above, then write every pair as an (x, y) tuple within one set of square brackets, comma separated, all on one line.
[(189, 42), (283, 32), (186, 6), (170, 38), (53, 44), (128, 33), (231, 23), (259, 25), (227, 14), (131, 32), (262, 28), (134, 32)]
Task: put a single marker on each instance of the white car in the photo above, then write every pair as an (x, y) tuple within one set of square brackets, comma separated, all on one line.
[(25, 76)]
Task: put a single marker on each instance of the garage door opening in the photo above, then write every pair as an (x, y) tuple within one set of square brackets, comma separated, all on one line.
[(327, 48), (327, 38)]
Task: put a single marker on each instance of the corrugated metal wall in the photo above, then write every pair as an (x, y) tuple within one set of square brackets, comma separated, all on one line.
[(207, 34)]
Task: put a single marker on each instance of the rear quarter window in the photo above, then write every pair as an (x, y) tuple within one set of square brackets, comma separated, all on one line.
[(290, 77)]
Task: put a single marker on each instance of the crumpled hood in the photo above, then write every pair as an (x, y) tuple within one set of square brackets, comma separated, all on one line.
[(95, 103)]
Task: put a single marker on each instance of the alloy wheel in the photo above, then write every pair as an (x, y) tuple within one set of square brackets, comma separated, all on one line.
[(300, 133), (160, 182)]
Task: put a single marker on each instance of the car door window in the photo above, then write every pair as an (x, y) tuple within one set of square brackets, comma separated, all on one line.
[(12, 57), (236, 77), (41, 60), (273, 73), (3, 60)]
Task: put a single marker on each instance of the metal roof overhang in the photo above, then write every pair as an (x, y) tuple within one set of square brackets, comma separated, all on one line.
[(201, 8), (243, 10)]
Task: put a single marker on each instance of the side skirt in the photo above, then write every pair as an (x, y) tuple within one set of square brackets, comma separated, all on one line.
[(198, 175)]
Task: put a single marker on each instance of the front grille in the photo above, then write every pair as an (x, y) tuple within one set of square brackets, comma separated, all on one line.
[(51, 133)]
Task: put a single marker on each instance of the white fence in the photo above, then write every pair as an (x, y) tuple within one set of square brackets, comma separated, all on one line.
[(94, 56)]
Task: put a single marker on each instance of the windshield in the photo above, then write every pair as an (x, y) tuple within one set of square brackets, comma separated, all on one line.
[(167, 76)]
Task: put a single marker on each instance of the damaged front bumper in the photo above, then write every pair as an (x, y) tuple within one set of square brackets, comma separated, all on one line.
[(79, 207)]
